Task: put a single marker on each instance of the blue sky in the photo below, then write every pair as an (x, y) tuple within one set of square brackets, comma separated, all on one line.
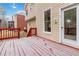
[(9, 11)]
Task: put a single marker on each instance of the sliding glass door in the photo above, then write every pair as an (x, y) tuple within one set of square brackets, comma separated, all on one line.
[(70, 26)]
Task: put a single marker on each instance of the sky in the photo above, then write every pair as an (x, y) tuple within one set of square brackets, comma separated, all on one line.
[(12, 8)]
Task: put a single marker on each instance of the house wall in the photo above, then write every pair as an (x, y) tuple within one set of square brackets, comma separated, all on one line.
[(21, 23), (38, 11), (14, 18), (31, 7)]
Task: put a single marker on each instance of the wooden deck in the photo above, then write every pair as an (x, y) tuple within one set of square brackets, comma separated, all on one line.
[(35, 46)]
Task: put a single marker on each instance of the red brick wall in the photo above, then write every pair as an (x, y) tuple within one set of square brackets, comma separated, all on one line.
[(21, 23)]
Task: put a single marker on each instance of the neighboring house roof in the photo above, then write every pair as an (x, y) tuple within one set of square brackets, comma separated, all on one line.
[(21, 13)]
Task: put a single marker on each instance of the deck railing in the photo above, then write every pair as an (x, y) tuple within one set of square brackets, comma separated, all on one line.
[(8, 33), (32, 31)]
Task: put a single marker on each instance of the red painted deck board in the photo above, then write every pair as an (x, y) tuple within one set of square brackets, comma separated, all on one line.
[(35, 46)]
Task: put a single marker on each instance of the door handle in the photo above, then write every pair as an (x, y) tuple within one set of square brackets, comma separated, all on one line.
[(62, 27)]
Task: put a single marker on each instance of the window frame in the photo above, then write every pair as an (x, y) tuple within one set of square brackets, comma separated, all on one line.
[(47, 32)]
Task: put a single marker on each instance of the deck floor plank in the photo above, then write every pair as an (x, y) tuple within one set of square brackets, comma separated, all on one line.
[(16, 49), (3, 52), (12, 48), (8, 48), (2, 46), (26, 48), (35, 46), (43, 48), (65, 50), (20, 48), (48, 48)]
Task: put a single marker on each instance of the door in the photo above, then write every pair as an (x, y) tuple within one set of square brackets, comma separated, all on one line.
[(70, 26)]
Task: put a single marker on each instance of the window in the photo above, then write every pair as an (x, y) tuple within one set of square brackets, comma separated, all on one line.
[(26, 12), (11, 24), (47, 20)]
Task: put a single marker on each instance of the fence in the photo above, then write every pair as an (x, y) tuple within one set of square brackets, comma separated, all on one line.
[(8, 33)]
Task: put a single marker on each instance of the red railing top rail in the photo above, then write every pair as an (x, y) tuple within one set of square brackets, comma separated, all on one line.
[(9, 28)]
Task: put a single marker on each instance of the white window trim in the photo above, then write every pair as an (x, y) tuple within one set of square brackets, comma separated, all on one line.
[(50, 19)]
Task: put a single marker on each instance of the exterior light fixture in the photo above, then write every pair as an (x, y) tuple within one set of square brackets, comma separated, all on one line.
[(68, 20)]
